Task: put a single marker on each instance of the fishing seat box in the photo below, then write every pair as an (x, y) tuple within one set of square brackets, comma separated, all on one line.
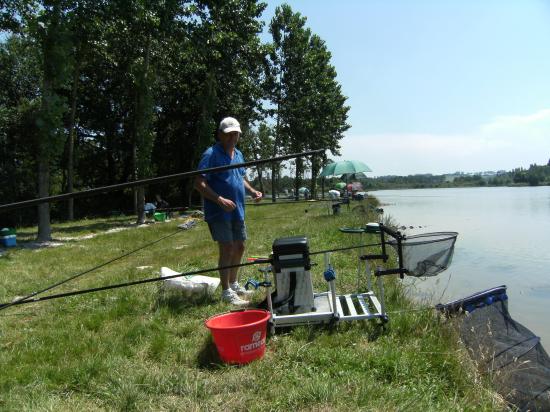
[(8, 237), (291, 252)]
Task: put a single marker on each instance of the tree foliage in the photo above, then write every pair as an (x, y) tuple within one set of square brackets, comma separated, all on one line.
[(308, 102), (534, 176), (98, 92)]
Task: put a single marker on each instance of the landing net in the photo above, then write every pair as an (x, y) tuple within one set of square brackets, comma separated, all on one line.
[(426, 254)]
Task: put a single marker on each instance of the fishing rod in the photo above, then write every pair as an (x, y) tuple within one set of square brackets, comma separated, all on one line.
[(144, 182), (342, 249), (287, 202), (33, 294), (121, 285), (256, 261), (345, 201)]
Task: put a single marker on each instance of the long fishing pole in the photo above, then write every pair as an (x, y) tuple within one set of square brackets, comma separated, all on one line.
[(33, 294), (144, 182), (287, 202), (342, 249), (259, 261), (121, 285)]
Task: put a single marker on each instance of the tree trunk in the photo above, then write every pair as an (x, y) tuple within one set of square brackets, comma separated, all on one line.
[(140, 193), (273, 182), (47, 130), (137, 199), (298, 178), (274, 165), (260, 178), (44, 227), (141, 129), (112, 148), (313, 183), (70, 149)]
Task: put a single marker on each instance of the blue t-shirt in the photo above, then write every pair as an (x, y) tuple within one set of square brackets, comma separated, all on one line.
[(228, 184)]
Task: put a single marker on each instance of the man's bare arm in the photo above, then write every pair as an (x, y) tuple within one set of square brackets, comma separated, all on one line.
[(255, 194)]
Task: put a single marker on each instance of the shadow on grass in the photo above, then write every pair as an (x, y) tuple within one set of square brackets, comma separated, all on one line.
[(176, 303), (372, 329), (208, 357), (315, 331), (376, 330)]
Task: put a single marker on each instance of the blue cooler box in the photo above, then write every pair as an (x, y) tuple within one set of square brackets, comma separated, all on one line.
[(8, 237)]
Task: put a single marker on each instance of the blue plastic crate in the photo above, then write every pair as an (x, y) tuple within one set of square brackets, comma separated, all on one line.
[(8, 241)]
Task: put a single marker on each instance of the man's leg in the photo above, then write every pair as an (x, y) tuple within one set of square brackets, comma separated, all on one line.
[(225, 259), (221, 233), (238, 229), (237, 252)]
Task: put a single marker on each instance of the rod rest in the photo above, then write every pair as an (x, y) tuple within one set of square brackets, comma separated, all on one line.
[(393, 233), (369, 257), (399, 272)]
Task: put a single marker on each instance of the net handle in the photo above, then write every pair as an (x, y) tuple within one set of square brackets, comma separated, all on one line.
[(414, 239)]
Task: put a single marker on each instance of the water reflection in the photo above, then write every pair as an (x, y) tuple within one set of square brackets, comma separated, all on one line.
[(504, 238)]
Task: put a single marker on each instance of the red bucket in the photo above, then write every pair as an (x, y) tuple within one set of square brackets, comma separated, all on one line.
[(239, 336)]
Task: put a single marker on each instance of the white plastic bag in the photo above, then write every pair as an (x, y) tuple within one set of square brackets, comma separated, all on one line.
[(192, 286)]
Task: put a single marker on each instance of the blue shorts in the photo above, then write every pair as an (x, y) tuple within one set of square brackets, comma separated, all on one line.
[(226, 231)]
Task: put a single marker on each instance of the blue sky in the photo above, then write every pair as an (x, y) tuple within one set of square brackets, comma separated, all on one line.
[(439, 86)]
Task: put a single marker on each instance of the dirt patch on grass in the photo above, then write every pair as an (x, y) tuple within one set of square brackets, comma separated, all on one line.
[(60, 241)]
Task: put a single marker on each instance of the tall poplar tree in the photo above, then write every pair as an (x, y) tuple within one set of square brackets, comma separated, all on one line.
[(326, 106), (45, 24), (84, 25), (19, 103), (309, 106)]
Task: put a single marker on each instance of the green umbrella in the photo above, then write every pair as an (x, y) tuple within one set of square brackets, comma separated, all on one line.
[(340, 185), (344, 166)]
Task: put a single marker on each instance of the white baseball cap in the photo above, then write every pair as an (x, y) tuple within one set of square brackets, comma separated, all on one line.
[(229, 124)]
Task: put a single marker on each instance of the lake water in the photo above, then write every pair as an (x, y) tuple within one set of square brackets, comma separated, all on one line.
[(504, 239)]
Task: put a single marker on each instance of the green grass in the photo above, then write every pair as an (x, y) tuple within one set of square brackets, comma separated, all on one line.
[(132, 349)]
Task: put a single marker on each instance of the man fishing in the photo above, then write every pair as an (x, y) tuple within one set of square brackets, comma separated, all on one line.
[(223, 194)]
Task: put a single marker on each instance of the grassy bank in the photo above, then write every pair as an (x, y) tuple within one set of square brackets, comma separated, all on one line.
[(128, 349)]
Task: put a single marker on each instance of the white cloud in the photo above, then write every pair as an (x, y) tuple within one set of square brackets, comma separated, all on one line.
[(538, 117), (533, 127), (504, 143)]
